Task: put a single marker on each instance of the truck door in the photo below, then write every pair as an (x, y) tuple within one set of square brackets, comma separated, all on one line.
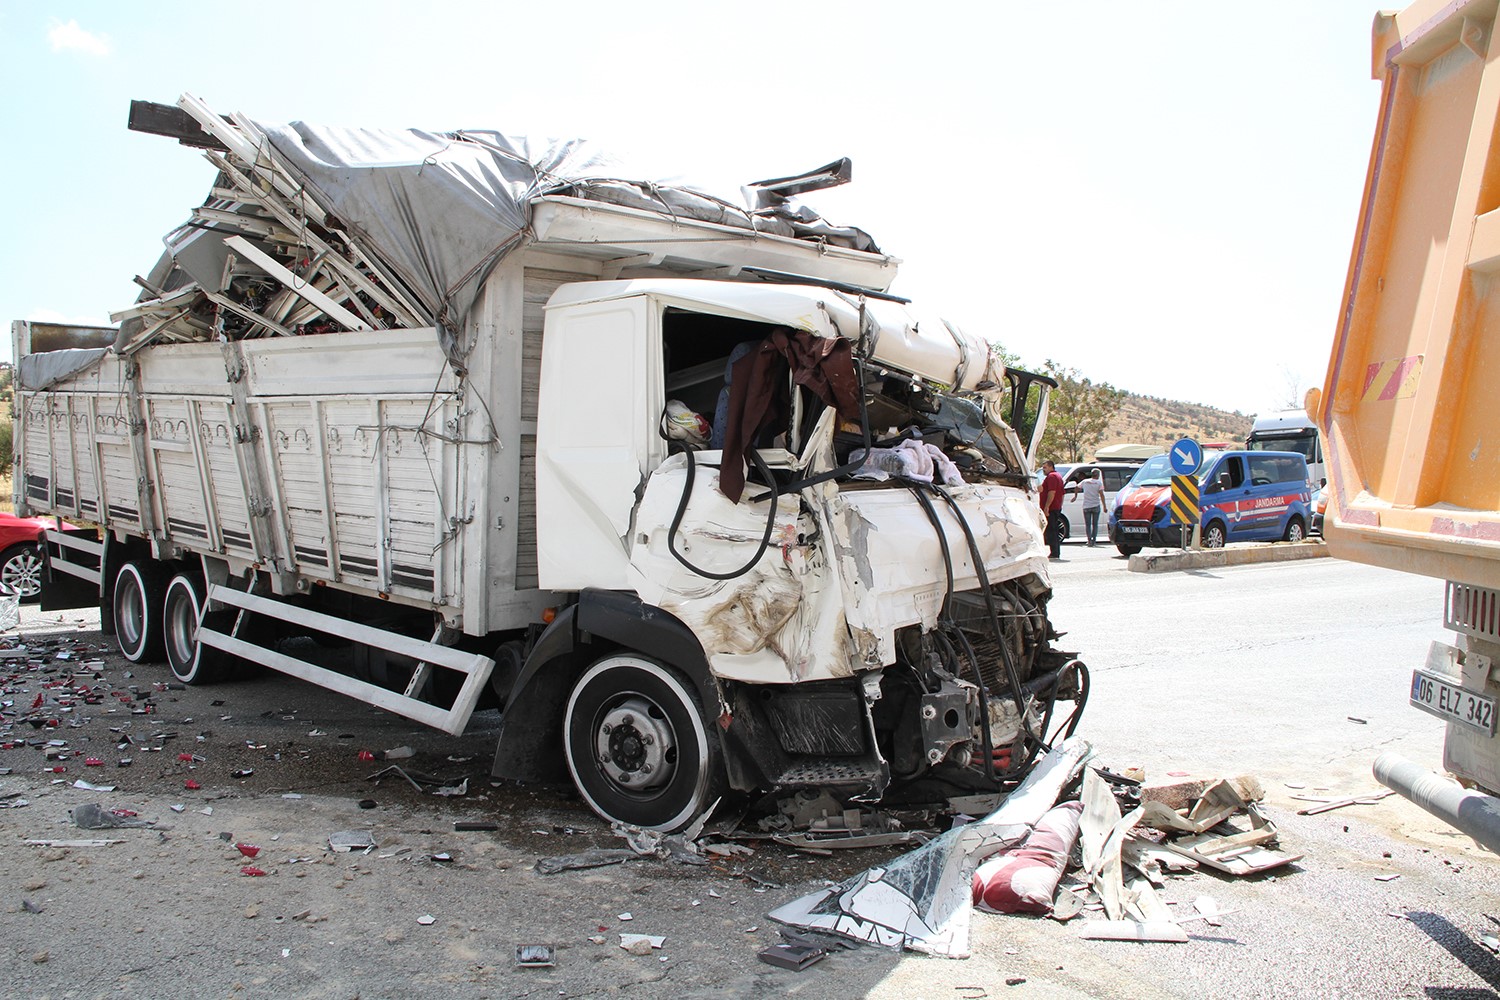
[(596, 438)]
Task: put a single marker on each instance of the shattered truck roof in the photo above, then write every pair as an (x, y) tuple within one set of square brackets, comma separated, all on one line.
[(331, 228)]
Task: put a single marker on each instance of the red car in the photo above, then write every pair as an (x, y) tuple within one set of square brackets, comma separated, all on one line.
[(21, 553)]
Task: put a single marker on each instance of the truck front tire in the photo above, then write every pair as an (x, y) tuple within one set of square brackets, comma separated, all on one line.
[(637, 745)]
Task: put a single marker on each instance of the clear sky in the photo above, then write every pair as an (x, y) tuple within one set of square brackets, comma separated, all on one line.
[(1162, 195)]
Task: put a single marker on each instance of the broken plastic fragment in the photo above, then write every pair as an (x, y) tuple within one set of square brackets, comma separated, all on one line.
[(252, 871), (248, 850), (351, 840), (427, 920), (641, 944)]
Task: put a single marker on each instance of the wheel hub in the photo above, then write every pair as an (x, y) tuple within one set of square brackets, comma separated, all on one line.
[(634, 743)]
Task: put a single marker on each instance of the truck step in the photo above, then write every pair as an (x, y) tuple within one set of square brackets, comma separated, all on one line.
[(822, 771)]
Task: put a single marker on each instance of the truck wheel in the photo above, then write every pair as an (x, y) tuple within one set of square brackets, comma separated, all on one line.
[(637, 745), (1213, 535), (182, 611), (1127, 550), (1294, 530), (21, 570), (137, 608)]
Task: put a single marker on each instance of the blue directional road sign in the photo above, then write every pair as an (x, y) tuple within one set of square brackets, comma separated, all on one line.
[(1187, 455)]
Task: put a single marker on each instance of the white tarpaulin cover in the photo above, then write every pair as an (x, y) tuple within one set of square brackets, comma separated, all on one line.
[(437, 209), (39, 371)]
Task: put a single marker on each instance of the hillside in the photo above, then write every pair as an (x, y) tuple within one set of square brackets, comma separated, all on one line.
[(1149, 420)]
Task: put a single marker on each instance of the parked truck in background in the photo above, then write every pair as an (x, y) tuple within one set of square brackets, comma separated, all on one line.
[(1409, 412), (676, 486), (1289, 430)]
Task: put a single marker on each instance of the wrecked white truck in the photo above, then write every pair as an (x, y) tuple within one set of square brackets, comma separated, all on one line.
[(674, 485)]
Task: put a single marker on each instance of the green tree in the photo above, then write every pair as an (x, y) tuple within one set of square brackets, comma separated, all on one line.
[(1078, 413)]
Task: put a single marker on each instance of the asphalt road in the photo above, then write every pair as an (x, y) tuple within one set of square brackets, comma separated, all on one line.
[(1254, 669)]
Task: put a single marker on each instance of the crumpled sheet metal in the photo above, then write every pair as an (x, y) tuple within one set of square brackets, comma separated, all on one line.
[(922, 901)]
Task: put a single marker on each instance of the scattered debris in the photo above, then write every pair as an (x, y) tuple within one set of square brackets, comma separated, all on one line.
[(791, 956), (1208, 908), (641, 944), (535, 956), (351, 840), (1131, 930), (1024, 879), (1326, 805), (427, 920), (472, 826), (92, 816), (921, 900), (74, 843), (588, 859), (1388, 877)]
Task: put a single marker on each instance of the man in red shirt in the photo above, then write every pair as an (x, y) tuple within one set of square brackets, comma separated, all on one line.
[(1051, 500)]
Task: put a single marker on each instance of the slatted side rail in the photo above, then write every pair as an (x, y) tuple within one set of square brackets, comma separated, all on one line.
[(475, 668)]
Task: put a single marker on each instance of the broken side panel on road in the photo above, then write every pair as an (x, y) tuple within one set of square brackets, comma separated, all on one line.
[(674, 483)]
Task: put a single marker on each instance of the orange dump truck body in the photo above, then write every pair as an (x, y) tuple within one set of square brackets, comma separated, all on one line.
[(1410, 410)]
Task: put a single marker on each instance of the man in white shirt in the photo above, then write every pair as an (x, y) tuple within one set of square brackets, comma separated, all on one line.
[(1091, 495)]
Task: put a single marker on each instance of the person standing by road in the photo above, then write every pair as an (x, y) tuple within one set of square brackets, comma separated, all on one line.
[(1091, 495), (1051, 500)]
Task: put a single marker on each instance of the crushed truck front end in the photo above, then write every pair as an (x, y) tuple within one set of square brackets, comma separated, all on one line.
[(868, 617)]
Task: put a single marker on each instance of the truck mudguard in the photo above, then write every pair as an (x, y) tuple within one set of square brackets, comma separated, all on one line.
[(531, 729)]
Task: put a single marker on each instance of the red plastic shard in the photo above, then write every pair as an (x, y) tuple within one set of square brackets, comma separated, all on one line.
[(251, 870), (248, 850), (191, 785)]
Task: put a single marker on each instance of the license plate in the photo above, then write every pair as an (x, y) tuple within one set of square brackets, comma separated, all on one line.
[(1134, 529), (1446, 700)]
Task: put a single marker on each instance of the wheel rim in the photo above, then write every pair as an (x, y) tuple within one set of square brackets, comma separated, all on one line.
[(1294, 533), (636, 744), (22, 573), (1214, 537)]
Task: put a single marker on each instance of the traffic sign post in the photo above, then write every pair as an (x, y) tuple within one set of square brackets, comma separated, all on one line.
[(1186, 456), (1185, 509)]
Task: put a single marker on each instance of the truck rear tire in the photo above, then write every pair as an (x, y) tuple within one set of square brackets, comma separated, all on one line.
[(1295, 532), (637, 745), (182, 610), (139, 588)]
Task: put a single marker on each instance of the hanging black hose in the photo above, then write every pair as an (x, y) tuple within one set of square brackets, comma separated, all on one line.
[(687, 492), (986, 737), (776, 491), (989, 599)]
